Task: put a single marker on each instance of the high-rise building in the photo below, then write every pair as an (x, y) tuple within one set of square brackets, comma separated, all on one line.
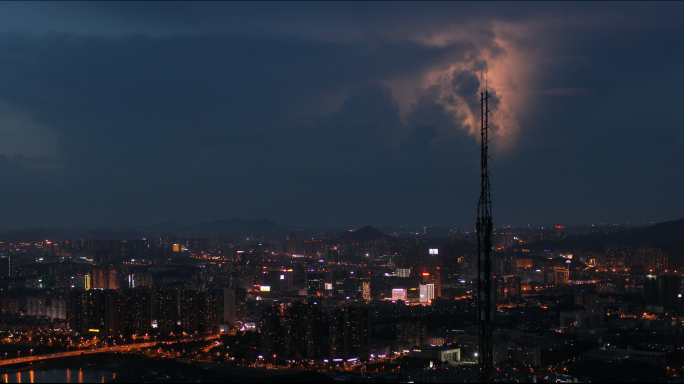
[(313, 247), (637, 280), (292, 243), (166, 314), (651, 288), (365, 277), (427, 293), (651, 259), (432, 276), (35, 305), (48, 248), (202, 312), (95, 312), (213, 311), (339, 283), (350, 332), (139, 311), (139, 280), (137, 249), (105, 277), (561, 276), (87, 311), (582, 319), (5, 267), (10, 306), (399, 294), (403, 272), (81, 281), (333, 255), (500, 353), (436, 279), (229, 307), (468, 267), (191, 311), (299, 276), (411, 333), (100, 278), (270, 330), (76, 309), (51, 307), (528, 354), (588, 299), (57, 309), (279, 280), (240, 306), (115, 313), (507, 287), (303, 327), (510, 264), (670, 290), (113, 278), (102, 258), (315, 283), (78, 247)]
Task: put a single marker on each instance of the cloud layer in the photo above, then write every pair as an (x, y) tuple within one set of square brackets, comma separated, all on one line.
[(330, 114)]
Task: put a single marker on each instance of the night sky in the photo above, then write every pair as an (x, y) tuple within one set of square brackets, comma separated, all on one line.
[(336, 114)]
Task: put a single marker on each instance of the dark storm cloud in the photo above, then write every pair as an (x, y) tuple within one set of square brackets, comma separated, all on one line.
[(321, 114), (135, 113), (140, 98)]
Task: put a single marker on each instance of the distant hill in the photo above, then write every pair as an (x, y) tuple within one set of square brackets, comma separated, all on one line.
[(668, 235), (660, 234), (366, 234), (166, 227)]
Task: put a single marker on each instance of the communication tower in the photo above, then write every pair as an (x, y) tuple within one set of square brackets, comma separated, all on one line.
[(485, 284)]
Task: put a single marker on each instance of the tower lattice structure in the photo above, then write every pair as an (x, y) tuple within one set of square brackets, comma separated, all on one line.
[(485, 284)]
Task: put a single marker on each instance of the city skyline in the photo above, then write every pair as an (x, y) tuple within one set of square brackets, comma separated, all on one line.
[(288, 192)]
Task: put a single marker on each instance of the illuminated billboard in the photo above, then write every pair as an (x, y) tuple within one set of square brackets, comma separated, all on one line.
[(434, 251), (265, 288), (399, 294)]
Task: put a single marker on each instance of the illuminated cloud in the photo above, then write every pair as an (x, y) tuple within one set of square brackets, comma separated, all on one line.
[(490, 64)]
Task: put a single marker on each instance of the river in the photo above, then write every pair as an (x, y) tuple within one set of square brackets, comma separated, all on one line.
[(64, 375)]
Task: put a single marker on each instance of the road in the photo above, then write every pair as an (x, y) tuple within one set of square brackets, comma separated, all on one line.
[(118, 348)]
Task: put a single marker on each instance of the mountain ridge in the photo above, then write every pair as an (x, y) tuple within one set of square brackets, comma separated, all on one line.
[(668, 235), (366, 234)]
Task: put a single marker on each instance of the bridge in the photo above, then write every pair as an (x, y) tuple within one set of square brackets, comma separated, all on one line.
[(116, 348)]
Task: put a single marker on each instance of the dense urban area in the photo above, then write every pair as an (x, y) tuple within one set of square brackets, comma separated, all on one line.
[(395, 304)]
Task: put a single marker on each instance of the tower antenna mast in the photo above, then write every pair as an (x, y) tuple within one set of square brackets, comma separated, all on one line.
[(485, 284)]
